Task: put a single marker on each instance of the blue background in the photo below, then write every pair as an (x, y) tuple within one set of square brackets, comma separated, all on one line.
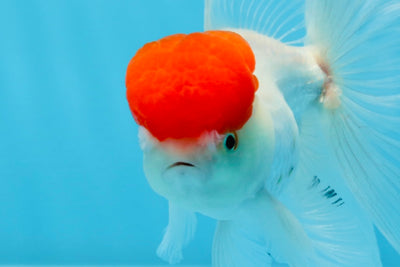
[(72, 189)]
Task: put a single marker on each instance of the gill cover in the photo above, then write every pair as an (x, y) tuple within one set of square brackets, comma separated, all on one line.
[(183, 85)]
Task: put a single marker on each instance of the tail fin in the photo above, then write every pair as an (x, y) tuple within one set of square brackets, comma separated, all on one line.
[(341, 232), (358, 46)]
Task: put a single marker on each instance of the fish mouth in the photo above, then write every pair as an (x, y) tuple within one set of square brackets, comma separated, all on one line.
[(180, 163)]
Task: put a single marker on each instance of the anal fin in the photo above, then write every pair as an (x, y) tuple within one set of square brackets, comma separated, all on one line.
[(234, 247)]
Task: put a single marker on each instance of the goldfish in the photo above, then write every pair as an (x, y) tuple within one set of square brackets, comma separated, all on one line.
[(282, 122)]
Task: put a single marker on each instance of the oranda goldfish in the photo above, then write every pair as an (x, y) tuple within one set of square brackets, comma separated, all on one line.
[(282, 122)]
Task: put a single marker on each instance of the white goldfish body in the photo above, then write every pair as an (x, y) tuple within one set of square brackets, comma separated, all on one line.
[(316, 165)]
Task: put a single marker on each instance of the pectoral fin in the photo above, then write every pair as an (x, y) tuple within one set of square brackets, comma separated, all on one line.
[(180, 230)]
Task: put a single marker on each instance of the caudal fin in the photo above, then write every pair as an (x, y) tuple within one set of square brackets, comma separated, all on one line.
[(357, 45)]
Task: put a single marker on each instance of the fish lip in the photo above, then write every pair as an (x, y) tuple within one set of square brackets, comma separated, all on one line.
[(181, 163)]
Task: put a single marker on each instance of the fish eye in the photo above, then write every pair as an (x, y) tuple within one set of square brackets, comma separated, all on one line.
[(231, 141)]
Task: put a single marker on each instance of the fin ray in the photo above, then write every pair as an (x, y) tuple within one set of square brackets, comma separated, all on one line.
[(233, 247), (341, 232), (358, 41), (179, 232), (280, 19)]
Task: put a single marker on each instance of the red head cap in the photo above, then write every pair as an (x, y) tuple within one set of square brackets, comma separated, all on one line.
[(183, 85)]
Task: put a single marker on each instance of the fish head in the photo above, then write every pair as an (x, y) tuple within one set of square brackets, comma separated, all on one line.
[(215, 171), (207, 141)]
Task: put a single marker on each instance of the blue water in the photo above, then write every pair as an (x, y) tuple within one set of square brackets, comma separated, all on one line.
[(72, 189)]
